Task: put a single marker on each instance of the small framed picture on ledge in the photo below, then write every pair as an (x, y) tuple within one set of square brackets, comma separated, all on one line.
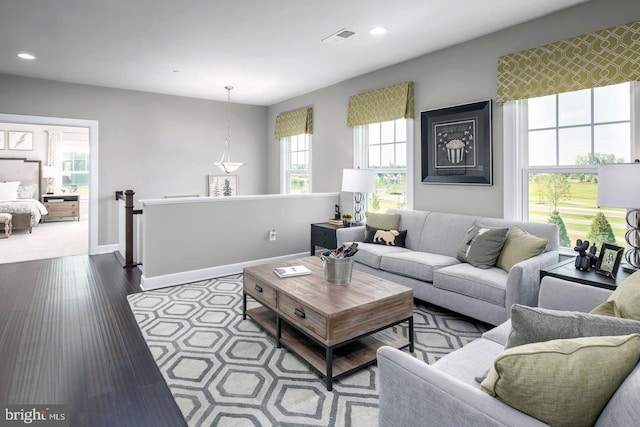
[(609, 260)]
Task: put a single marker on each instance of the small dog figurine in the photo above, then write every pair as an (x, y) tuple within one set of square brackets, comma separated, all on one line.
[(583, 260)]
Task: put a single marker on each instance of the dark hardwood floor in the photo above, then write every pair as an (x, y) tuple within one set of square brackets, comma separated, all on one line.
[(67, 336)]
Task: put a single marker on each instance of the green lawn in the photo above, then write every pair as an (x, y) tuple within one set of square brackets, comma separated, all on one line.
[(579, 211)]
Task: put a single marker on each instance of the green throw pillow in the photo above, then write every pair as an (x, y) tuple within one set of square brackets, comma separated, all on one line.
[(563, 382), (383, 221), (534, 324), (624, 301), (519, 246), (481, 245)]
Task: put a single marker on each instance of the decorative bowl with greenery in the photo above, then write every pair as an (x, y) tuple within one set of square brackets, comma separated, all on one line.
[(346, 220)]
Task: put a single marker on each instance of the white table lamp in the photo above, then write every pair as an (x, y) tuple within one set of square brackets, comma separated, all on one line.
[(617, 188), (49, 173), (358, 181)]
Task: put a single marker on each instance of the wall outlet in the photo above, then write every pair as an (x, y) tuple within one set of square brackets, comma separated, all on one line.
[(272, 235)]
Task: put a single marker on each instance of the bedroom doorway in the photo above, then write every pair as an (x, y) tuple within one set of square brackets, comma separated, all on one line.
[(73, 176)]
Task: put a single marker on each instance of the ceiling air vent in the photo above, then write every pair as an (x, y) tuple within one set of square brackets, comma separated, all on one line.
[(339, 36)]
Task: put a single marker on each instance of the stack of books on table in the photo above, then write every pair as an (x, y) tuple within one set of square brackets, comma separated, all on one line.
[(294, 270), (335, 221)]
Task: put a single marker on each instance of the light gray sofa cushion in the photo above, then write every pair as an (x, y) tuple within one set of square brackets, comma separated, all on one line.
[(413, 222), (419, 265), (499, 334), (443, 232), (533, 324), (371, 254), (486, 285), (471, 361), (623, 408)]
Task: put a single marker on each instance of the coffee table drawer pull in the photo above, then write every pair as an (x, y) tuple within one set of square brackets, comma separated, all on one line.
[(258, 288), (299, 313)]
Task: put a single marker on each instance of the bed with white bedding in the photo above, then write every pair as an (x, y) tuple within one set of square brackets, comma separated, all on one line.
[(20, 181)]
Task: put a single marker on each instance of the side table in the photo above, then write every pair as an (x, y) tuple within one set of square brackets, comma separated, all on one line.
[(323, 234), (566, 270), (61, 206)]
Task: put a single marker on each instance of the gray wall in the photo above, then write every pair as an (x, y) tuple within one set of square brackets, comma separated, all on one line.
[(156, 145), (457, 75), (187, 239)]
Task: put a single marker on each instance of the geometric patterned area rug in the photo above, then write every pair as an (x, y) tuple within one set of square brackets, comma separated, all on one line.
[(225, 371)]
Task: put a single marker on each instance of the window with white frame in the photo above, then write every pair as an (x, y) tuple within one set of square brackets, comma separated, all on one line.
[(560, 140), (386, 148), (296, 175), (75, 166)]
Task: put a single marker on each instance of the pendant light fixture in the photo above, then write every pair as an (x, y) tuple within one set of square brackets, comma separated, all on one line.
[(225, 163)]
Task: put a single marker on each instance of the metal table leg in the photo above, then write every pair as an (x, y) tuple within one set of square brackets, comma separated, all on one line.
[(411, 346), (244, 306), (278, 331), (329, 377)]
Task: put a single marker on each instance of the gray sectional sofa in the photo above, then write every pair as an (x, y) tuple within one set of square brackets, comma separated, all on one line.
[(429, 265), (447, 393)]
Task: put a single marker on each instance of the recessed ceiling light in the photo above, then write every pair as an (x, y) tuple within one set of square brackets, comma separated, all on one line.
[(25, 55), (377, 31)]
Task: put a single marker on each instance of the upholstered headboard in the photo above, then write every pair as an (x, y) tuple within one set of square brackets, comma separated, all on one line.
[(23, 170)]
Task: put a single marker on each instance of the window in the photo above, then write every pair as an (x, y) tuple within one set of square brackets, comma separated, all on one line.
[(297, 164), (75, 167), (560, 140), (387, 148)]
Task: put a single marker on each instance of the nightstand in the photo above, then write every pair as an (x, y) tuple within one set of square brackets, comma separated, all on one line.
[(323, 234), (61, 206), (566, 270)]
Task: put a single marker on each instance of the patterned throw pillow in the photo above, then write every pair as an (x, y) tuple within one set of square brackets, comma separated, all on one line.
[(385, 237), (26, 191), (482, 245)]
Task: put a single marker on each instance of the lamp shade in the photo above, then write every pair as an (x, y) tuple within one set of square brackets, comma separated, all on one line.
[(618, 185), (358, 180), (49, 172)]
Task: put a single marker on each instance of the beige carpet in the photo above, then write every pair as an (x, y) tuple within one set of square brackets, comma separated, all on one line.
[(48, 240)]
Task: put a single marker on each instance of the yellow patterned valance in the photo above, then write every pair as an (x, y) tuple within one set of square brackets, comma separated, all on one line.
[(381, 105), (294, 123), (602, 58)]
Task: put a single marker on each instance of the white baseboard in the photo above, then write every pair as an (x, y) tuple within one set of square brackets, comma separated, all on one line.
[(105, 249), (164, 281)]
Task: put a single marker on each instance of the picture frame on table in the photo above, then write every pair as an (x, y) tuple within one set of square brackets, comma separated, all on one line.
[(2, 142), (609, 260), (456, 145), (19, 140), (223, 185)]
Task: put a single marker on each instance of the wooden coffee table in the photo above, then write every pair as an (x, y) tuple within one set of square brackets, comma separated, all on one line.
[(337, 329)]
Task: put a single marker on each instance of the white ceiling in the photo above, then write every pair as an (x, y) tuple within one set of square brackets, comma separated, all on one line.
[(268, 50)]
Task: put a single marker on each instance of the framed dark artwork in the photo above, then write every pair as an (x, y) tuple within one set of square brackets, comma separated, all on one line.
[(609, 260), (456, 145)]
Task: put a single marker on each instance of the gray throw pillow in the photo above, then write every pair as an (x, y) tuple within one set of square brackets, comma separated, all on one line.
[(534, 324), (482, 245)]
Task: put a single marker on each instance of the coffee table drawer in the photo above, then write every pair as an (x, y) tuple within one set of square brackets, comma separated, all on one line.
[(302, 315), (260, 290)]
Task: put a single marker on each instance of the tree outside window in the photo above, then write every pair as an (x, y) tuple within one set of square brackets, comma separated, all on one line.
[(567, 136)]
